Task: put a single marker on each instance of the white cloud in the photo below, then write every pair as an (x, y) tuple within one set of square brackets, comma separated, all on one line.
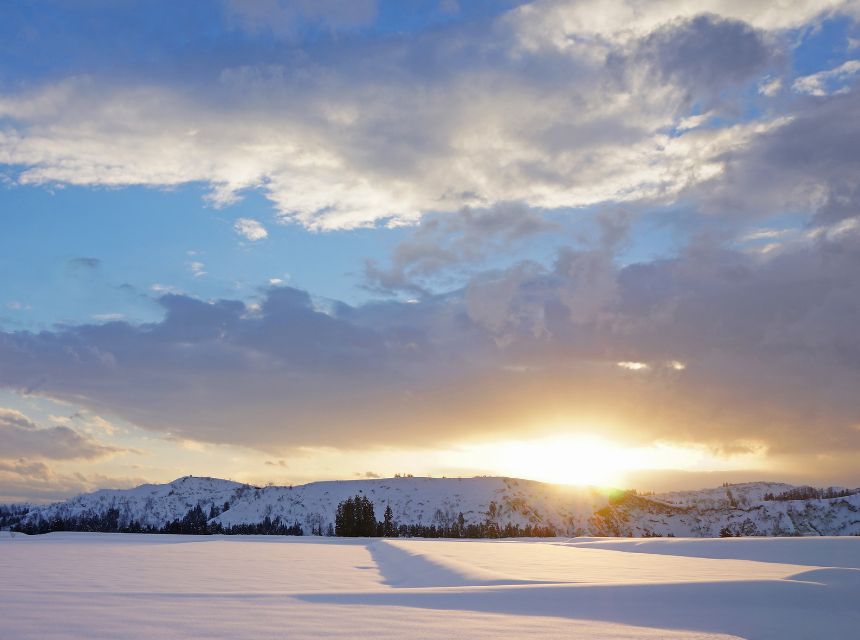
[(250, 229), (198, 269), (552, 22), (369, 136), (164, 289), (818, 84), (770, 86), (634, 366), (691, 122)]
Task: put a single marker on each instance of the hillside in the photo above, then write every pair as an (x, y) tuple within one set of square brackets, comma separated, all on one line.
[(740, 509)]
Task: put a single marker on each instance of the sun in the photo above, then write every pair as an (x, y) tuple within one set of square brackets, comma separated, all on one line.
[(583, 459), (578, 460)]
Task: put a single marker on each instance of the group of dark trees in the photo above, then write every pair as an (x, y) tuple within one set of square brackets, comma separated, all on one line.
[(11, 514), (743, 529), (356, 517), (811, 493), (194, 522)]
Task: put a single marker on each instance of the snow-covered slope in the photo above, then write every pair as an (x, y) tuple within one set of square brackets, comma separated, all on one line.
[(738, 509), (733, 509), (425, 501), (149, 504)]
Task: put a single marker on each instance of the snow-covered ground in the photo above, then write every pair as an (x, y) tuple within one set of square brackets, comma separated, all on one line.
[(74, 585)]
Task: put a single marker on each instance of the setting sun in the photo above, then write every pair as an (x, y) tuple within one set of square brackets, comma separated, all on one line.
[(592, 460)]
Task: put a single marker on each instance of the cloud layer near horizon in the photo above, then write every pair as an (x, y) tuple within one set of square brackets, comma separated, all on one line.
[(738, 350)]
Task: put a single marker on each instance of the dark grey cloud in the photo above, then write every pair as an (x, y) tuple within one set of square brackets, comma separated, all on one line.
[(22, 438), (442, 244), (809, 163), (738, 349), (707, 54)]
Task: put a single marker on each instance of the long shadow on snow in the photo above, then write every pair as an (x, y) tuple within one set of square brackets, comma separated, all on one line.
[(400, 568), (815, 604)]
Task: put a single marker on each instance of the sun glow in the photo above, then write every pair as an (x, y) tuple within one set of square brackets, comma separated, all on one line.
[(590, 460)]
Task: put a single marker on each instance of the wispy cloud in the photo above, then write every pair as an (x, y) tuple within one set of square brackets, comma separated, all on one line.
[(827, 82)]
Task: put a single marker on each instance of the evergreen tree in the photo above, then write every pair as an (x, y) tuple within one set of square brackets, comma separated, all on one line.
[(388, 529)]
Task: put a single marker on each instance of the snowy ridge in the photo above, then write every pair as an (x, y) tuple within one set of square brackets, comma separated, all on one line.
[(738, 509), (148, 504)]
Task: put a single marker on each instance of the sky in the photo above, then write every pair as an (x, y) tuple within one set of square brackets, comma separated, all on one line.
[(604, 242)]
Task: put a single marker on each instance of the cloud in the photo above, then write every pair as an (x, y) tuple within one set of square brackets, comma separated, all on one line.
[(740, 347), (769, 86), (817, 83), (442, 243), (26, 481), (634, 366), (707, 54), (471, 115), (551, 23), (807, 161), (11, 418), (21, 438), (250, 229)]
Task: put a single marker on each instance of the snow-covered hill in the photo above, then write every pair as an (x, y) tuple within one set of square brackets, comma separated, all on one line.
[(738, 509), (732, 509)]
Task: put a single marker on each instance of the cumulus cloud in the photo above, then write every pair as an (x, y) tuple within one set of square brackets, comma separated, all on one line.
[(807, 161), (444, 242), (733, 347), (553, 22), (470, 115), (707, 54), (250, 229)]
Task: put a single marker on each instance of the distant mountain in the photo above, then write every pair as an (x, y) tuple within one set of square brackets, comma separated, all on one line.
[(740, 509)]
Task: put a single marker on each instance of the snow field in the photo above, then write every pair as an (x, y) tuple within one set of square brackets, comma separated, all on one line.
[(68, 585)]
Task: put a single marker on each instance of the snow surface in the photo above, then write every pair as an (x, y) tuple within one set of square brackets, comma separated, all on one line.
[(82, 585)]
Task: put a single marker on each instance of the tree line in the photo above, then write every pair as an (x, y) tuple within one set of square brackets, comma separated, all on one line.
[(194, 522), (355, 517), (811, 493)]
